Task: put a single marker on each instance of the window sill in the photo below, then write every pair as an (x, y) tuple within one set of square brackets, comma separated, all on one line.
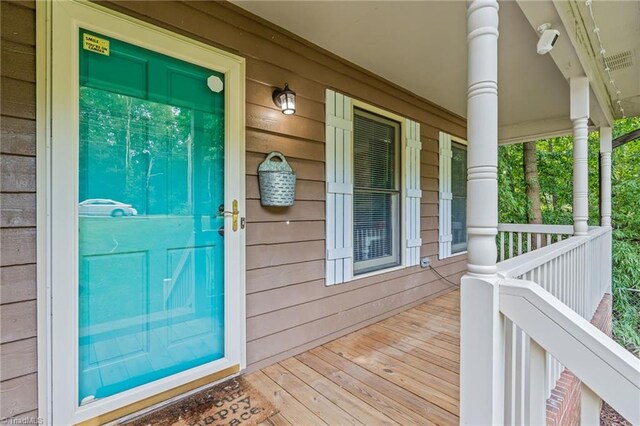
[(454, 255), (380, 272)]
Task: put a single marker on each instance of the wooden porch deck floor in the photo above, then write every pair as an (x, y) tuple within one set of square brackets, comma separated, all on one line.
[(403, 370)]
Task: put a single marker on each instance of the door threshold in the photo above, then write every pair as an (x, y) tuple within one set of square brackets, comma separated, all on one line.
[(151, 403)]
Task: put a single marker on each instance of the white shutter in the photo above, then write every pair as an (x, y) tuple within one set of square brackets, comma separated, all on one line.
[(444, 233), (339, 170), (412, 193)]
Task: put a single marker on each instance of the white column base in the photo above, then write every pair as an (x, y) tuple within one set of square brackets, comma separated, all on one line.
[(481, 353)]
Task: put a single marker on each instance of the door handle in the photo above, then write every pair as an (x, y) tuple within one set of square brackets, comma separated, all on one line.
[(234, 214)]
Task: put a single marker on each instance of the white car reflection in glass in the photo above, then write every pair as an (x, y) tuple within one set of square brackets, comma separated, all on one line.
[(105, 207)]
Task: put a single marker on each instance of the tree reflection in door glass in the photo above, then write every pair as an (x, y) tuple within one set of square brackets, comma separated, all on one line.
[(130, 149)]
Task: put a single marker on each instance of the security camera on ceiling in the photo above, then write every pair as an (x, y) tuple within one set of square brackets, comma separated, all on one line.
[(548, 38)]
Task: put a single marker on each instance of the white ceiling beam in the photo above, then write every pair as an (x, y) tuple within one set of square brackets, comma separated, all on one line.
[(530, 130)]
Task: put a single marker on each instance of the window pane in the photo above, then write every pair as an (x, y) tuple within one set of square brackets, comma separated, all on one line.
[(376, 196), (373, 226), (459, 201), (374, 153)]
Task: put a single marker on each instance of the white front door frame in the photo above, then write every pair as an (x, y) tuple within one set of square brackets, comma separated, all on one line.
[(58, 25)]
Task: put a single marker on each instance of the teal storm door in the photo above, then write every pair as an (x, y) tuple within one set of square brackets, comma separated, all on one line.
[(151, 258)]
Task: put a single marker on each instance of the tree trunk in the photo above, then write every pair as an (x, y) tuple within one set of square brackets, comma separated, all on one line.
[(530, 164), (127, 157), (512, 183)]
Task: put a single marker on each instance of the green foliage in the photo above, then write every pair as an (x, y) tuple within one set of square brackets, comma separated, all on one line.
[(512, 198), (626, 237), (626, 301), (555, 177)]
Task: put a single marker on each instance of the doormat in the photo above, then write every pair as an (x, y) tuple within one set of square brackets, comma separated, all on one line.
[(233, 403)]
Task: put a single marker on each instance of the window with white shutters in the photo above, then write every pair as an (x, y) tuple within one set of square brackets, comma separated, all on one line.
[(452, 237), (373, 190)]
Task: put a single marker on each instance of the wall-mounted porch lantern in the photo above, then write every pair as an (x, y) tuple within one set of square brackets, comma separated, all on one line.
[(285, 99)]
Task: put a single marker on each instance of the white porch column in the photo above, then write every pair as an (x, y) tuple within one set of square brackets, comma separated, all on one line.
[(481, 344), (580, 117), (605, 176)]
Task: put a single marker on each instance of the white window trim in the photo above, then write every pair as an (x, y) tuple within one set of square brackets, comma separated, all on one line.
[(445, 196), (339, 175), (60, 406)]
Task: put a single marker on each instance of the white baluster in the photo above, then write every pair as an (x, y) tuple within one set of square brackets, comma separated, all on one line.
[(537, 401), (590, 406), (519, 243), (510, 245)]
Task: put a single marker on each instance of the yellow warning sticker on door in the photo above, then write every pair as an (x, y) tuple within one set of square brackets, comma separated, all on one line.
[(95, 44)]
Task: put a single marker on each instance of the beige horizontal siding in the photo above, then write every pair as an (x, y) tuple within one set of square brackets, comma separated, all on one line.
[(19, 358), (17, 246), (18, 283), (18, 355), (266, 233), (17, 173), (18, 321), (17, 396), (284, 275), (17, 210), (18, 135)]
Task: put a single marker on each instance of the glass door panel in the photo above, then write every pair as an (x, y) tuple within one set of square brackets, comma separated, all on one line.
[(151, 243)]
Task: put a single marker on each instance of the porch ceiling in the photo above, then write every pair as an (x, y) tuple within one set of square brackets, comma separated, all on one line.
[(619, 23), (421, 46)]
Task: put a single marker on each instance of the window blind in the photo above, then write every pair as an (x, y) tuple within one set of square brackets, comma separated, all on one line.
[(376, 235)]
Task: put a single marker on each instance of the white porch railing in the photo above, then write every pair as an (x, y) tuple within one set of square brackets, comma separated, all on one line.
[(605, 369), (577, 271), (515, 239)]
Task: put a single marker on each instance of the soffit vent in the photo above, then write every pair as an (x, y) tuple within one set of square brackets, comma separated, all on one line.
[(620, 61)]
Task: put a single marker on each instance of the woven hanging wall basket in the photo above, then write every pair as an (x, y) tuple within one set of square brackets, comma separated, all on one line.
[(277, 181)]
